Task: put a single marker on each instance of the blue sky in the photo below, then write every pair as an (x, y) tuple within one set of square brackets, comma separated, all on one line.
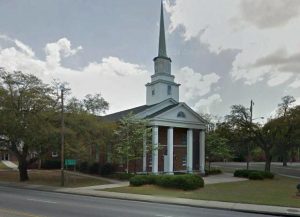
[(223, 52)]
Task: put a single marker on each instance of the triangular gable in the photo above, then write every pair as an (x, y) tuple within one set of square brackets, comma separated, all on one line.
[(180, 113), (158, 107)]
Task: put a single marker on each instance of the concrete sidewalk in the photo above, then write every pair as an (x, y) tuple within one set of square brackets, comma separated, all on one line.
[(95, 191)]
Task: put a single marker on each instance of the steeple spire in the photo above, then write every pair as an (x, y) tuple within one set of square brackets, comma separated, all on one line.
[(162, 51)]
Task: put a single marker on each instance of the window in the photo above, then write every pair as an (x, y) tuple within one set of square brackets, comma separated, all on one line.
[(181, 115), (153, 92), (169, 89), (184, 139)]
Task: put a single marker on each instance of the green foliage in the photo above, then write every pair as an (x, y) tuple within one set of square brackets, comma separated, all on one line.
[(51, 164), (121, 176), (213, 171), (94, 168), (84, 167), (253, 174), (107, 169), (298, 187), (216, 147), (95, 105), (130, 135), (184, 182), (27, 117), (256, 176), (140, 180)]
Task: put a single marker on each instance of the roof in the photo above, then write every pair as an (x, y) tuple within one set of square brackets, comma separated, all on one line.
[(119, 115), (162, 111)]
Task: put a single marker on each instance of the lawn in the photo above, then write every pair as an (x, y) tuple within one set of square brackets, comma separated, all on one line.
[(279, 192), (52, 178), (2, 166)]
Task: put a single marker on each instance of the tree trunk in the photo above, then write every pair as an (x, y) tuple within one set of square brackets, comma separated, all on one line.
[(268, 162), (23, 170), (284, 159)]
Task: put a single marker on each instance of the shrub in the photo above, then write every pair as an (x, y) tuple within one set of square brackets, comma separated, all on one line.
[(51, 164), (247, 174), (121, 176), (298, 187), (185, 182), (107, 169), (268, 175), (256, 176), (139, 180), (94, 168), (213, 171), (84, 167)]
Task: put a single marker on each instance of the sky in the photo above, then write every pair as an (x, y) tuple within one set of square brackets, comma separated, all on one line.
[(223, 52)]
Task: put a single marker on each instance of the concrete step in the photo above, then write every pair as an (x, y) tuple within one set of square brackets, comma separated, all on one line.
[(10, 164)]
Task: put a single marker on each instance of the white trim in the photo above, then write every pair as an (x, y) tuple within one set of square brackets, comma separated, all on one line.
[(177, 124), (189, 165)]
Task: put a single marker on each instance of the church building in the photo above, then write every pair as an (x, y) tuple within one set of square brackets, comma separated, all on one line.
[(175, 126)]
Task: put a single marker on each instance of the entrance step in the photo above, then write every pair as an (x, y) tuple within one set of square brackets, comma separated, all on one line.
[(10, 164)]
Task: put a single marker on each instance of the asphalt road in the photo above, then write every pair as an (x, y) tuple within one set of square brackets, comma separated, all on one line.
[(30, 203), (292, 170)]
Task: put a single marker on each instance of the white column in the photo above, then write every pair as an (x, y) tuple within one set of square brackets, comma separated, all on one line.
[(202, 152), (145, 153), (170, 150), (155, 149), (189, 163)]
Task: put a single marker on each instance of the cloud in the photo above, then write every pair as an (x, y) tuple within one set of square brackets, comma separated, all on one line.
[(205, 105), (269, 13), (111, 76), (26, 49), (114, 65), (265, 33), (55, 51), (296, 83), (195, 84)]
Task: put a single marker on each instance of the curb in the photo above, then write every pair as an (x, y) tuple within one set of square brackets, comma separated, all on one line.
[(236, 207)]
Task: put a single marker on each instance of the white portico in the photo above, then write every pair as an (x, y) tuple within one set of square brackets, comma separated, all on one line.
[(176, 128)]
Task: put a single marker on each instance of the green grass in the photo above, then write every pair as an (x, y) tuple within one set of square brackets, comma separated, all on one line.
[(2, 166), (52, 178), (279, 192)]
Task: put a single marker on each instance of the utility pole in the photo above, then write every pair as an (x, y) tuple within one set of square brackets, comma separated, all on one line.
[(62, 89), (248, 145)]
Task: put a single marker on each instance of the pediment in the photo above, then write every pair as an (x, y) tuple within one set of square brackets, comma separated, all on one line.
[(156, 108), (180, 113)]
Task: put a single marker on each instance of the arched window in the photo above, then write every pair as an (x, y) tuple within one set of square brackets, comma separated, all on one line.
[(181, 115)]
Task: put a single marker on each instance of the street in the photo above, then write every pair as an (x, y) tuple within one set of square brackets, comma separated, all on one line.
[(292, 170), (29, 203)]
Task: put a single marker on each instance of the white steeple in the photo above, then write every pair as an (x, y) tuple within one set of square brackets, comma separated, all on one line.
[(162, 84)]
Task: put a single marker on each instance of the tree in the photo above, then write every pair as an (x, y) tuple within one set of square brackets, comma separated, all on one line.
[(27, 108), (267, 137), (85, 132), (240, 123), (130, 135), (216, 148), (283, 111), (93, 104)]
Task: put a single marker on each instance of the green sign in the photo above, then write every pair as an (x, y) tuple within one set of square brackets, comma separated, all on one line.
[(70, 162)]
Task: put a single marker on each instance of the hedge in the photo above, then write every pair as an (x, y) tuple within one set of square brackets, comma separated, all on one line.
[(213, 171), (253, 174), (185, 182)]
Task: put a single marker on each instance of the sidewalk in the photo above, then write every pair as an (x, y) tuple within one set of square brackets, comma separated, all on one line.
[(95, 191)]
